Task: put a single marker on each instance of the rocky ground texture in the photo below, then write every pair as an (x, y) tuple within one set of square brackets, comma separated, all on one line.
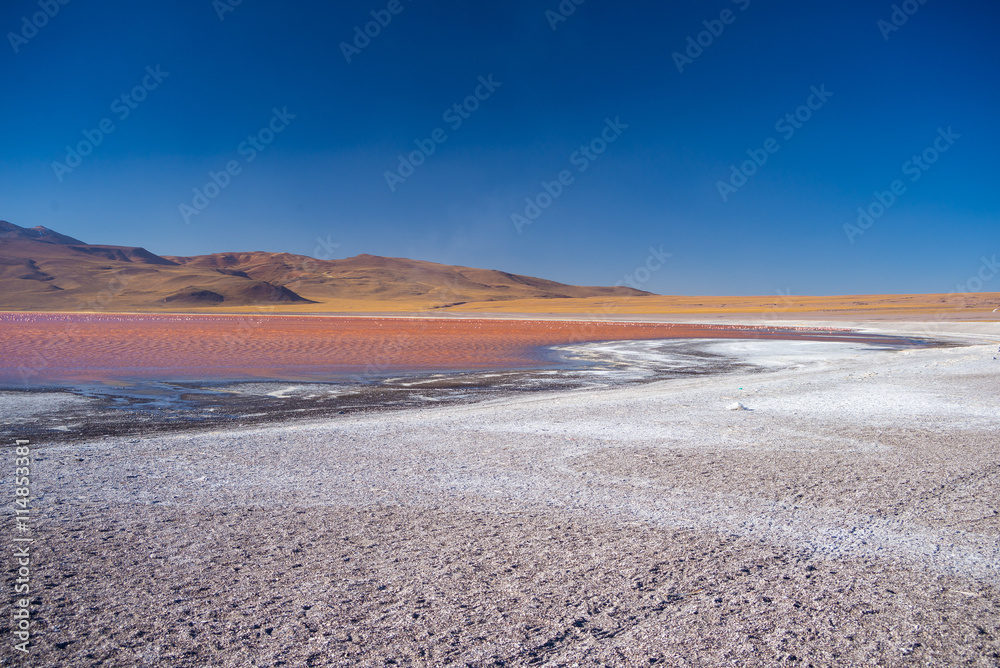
[(844, 513)]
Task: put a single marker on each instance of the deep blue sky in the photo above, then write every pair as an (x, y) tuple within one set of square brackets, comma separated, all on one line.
[(322, 177)]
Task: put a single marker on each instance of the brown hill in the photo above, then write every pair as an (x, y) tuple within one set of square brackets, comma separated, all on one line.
[(44, 270), (390, 279)]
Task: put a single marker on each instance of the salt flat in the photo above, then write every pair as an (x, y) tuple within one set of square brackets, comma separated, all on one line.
[(847, 514)]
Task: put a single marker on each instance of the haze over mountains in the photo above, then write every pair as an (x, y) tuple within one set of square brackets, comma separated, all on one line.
[(41, 269)]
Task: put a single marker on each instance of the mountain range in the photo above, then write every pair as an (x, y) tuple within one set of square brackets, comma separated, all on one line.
[(41, 269)]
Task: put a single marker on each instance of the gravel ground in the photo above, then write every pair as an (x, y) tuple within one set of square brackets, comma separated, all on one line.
[(846, 513)]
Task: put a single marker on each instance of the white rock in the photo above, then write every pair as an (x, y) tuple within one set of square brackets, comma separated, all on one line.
[(736, 406)]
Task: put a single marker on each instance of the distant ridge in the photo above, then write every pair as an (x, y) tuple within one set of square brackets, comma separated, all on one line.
[(38, 233), (42, 270)]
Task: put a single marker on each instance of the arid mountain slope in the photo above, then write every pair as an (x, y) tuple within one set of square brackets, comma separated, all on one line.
[(44, 270)]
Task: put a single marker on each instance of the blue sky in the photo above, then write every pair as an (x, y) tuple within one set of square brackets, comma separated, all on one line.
[(889, 92)]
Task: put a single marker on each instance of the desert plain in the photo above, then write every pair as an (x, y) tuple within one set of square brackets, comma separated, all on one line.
[(809, 502), (263, 459)]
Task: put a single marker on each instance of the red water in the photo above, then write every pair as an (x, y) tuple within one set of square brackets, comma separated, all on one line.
[(40, 348)]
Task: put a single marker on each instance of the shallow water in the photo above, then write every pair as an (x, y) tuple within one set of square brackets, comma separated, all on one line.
[(44, 349), (144, 407)]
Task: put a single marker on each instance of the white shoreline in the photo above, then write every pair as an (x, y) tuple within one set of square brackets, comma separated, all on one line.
[(850, 514), (564, 439)]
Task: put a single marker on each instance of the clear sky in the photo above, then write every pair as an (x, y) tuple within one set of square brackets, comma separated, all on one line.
[(159, 96)]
